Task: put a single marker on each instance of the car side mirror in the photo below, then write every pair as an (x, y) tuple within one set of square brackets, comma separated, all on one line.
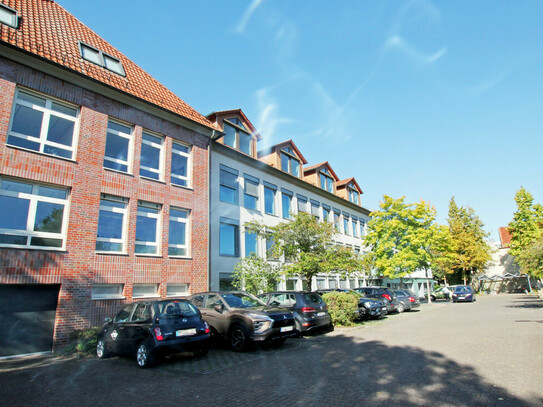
[(219, 308), (108, 320)]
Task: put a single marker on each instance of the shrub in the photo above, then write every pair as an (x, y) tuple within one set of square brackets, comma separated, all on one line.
[(343, 307), (83, 341)]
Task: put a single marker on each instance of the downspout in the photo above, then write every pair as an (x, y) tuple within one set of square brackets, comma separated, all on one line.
[(214, 135)]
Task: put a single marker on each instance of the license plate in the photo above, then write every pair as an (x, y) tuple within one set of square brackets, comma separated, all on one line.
[(384, 309), (287, 328), (461, 298), (185, 332), (320, 314)]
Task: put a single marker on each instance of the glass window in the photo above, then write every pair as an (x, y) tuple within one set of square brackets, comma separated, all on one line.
[(269, 248), (354, 196), (302, 203), (289, 162), (286, 203), (32, 215), (251, 242), (250, 196), (315, 209), (346, 224), (362, 227), (151, 156), (230, 136), (118, 147), (336, 222), (326, 213), (269, 199), (8, 16), (113, 64), (229, 238), (354, 227), (102, 59), (147, 228), (107, 291), (327, 182), (245, 143), (43, 125), (178, 232), (177, 290), (180, 164), (229, 185), (144, 290), (236, 138), (112, 224)]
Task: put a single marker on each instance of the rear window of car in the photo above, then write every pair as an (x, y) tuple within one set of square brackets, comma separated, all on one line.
[(313, 298), (176, 308), (462, 289)]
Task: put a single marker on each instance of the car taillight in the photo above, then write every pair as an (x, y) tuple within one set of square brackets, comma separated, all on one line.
[(308, 309), (411, 299), (158, 334), (387, 296), (207, 327)]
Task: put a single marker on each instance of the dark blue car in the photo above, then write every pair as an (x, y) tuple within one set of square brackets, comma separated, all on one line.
[(463, 293)]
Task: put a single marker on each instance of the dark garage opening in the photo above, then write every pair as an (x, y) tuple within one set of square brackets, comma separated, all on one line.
[(27, 318)]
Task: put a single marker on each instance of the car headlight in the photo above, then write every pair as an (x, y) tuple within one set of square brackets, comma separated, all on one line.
[(367, 305)]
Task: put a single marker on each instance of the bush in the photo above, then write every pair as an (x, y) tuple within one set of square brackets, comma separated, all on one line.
[(83, 341), (342, 306)]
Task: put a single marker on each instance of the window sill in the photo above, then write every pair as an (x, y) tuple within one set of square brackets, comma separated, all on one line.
[(181, 258), (115, 297), (113, 253), (147, 296), (119, 172), (47, 249), (148, 255), (70, 160), (229, 255), (152, 179), (182, 187)]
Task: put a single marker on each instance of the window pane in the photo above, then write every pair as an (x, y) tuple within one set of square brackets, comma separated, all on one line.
[(113, 65), (284, 162), (35, 100), (230, 136), (178, 213), (69, 111), (150, 156), (146, 229), (15, 186), (60, 130), (286, 201), (269, 200), (295, 167), (110, 225), (245, 143), (46, 242), (117, 147), (119, 127), (179, 165), (12, 239), (250, 243), (14, 213), (108, 247), (178, 231), (49, 217), (19, 142), (228, 242), (229, 179), (27, 121), (91, 55), (180, 148), (177, 251)]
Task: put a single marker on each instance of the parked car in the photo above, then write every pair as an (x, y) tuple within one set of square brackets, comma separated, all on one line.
[(407, 300), (442, 294), (242, 318), (149, 329), (309, 309), (463, 293), (367, 307), (383, 293)]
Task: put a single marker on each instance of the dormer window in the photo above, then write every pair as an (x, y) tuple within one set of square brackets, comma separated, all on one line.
[(327, 182), (8, 16), (289, 162), (236, 136), (102, 59), (354, 196)]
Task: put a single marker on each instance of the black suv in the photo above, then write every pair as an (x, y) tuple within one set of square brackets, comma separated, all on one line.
[(241, 317), (309, 309), (149, 329), (383, 293)]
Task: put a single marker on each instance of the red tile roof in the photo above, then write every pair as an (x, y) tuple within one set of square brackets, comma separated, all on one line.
[(344, 182), (505, 237), (234, 112), (48, 31), (319, 166)]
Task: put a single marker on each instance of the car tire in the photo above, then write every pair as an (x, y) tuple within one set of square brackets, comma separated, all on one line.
[(144, 356), (101, 349), (433, 298), (239, 338), (401, 308)]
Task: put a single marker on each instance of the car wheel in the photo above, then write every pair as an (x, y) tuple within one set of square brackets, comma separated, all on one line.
[(239, 338), (433, 298), (401, 308), (101, 349), (144, 356)]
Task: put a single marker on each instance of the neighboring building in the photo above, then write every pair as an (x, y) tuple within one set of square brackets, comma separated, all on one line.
[(270, 185), (103, 180)]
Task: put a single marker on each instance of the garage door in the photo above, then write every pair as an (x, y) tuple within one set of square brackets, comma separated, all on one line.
[(27, 318)]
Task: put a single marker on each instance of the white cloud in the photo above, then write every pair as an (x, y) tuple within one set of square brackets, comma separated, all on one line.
[(398, 43), (247, 16)]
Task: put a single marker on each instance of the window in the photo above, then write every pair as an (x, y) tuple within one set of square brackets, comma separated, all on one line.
[(346, 223), (354, 196), (321, 283), (112, 224), (269, 198), (32, 215), (44, 125), (302, 203), (151, 156), (118, 147), (144, 290), (332, 283), (354, 227), (251, 242), (229, 185), (229, 237), (107, 291), (336, 221), (9, 16), (102, 59), (178, 232), (327, 182), (180, 164), (286, 203), (326, 213), (362, 228), (250, 195), (177, 290), (289, 162), (315, 209), (236, 137), (269, 248), (148, 228)]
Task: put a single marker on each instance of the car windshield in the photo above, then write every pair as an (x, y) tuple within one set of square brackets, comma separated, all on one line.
[(176, 308), (313, 298), (462, 289), (242, 300)]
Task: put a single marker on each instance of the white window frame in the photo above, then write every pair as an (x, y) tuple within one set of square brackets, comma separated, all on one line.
[(124, 211), (188, 155), (118, 295), (160, 148), (47, 111), (186, 221), (177, 289), (158, 227), (130, 152), (154, 288), (34, 199)]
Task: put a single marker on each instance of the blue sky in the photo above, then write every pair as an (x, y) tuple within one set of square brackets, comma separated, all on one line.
[(421, 99)]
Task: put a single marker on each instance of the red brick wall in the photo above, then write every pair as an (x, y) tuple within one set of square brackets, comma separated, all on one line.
[(79, 267)]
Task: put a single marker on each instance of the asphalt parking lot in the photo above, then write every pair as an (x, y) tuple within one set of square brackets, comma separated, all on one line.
[(488, 353)]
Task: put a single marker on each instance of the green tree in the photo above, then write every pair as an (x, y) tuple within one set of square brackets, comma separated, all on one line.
[(307, 245), (470, 252), (530, 259), (255, 275)]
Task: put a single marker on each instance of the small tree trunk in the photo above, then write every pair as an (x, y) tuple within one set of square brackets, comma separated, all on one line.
[(428, 287)]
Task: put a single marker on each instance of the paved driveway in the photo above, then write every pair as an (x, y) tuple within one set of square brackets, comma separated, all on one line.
[(488, 353)]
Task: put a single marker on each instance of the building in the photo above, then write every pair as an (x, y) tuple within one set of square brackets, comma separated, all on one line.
[(103, 180), (248, 183)]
